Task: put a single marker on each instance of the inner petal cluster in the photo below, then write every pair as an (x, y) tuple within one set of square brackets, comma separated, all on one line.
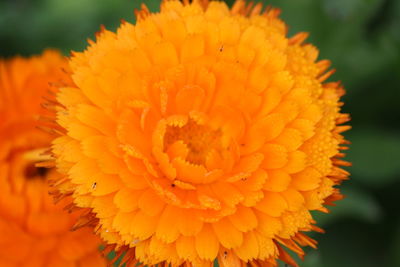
[(192, 142)]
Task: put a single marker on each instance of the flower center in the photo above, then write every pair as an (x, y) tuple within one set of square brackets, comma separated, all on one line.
[(32, 172), (199, 140), (32, 157)]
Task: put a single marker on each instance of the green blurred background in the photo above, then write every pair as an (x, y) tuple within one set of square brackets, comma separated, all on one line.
[(361, 37)]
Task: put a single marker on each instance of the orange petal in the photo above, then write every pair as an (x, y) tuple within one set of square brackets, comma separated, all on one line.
[(19, 243), (250, 102), (104, 207), (227, 234), (308, 179), (271, 98), (249, 248), (213, 160), (93, 259), (186, 247), (296, 162), (188, 172), (262, 131), (33, 195), (207, 197), (79, 131), (244, 219), (206, 243), (289, 109), (143, 226), (90, 88), (306, 127), (135, 165), (173, 30), (122, 221), (178, 150), (190, 225), (127, 200), (290, 138), (93, 146), (192, 47), (275, 156), (229, 120), (56, 260), (294, 199), (312, 113), (251, 198), (272, 204), (109, 163), (105, 184), (249, 163), (167, 228), (128, 132), (284, 256), (227, 258), (70, 96), (293, 221), (43, 223), (227, 192), (258, 81), (164, 55), (254, 182), (158, 249), (277, 181), (266, 245), (150, 203), (96, 118), (268, 226), (189, 98), (133, 181)]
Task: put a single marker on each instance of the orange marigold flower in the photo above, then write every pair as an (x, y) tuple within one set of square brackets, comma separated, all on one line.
[(201, 133), (33, 231)]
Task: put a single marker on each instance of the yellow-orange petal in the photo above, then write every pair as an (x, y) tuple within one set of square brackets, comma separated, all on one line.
[(275, 156), (308, 179), (143, 226), (263, 130), (167, 230), (207, 244), (249, 249), (273, 204), (127, 200), (269, 226), (189, 225), (228, 235), (277, 181), (293, 198), (296, 162), (186, 247), (150, 203), (244, 219)]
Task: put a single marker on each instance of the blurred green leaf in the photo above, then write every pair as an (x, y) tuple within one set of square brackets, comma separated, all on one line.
[(31, 26), (312, 259), (357, 204), (359, 10), (375, 155), (352, 244), (395, 248)]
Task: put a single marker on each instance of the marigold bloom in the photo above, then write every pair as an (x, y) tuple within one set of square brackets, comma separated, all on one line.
[(33, 231), (201, 133)]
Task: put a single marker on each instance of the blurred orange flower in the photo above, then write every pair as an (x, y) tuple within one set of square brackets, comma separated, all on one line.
[(201, 133), (34, 231)]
